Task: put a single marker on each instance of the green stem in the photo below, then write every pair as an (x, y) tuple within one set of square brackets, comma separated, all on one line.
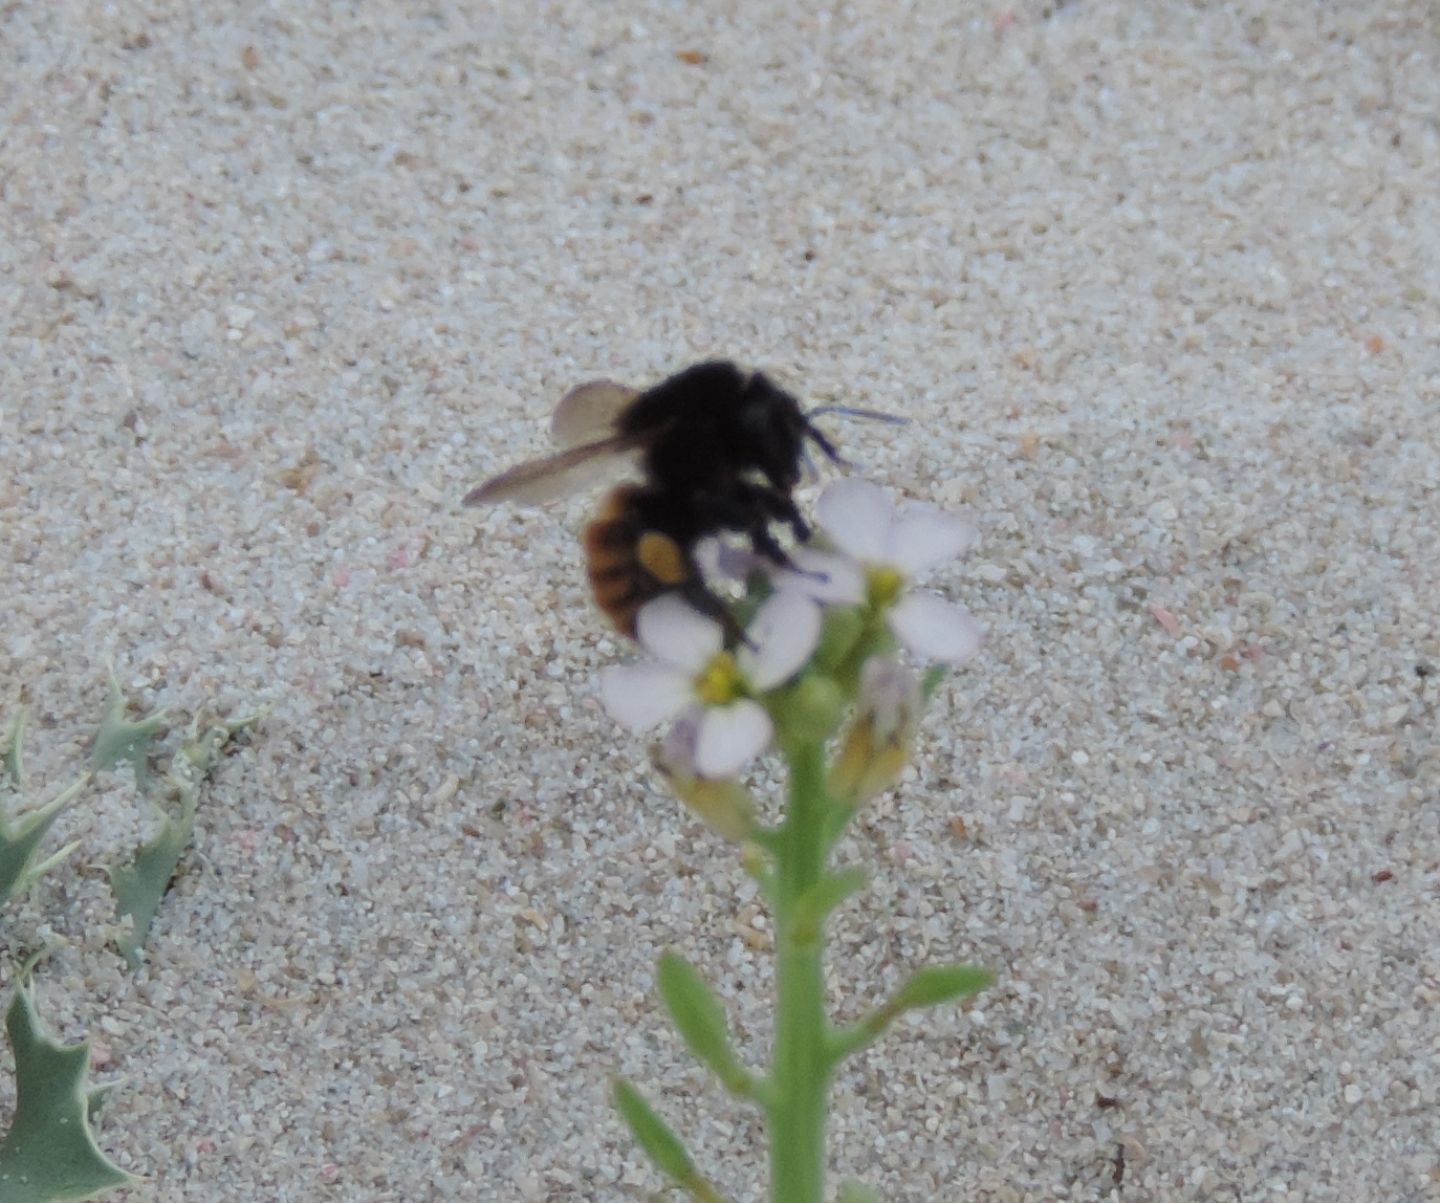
[(801, 1070)]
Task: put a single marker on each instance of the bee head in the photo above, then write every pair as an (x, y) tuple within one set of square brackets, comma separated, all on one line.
[(776, 430)]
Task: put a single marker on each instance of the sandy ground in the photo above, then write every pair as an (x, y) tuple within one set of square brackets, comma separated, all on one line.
[(1158, 286)]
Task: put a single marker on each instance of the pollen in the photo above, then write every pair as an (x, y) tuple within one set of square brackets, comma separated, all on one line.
[(719, 682), (662, 558), (884, 584)]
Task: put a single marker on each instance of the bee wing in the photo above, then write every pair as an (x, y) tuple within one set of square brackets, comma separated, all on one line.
[(587, 413), (558, 475)]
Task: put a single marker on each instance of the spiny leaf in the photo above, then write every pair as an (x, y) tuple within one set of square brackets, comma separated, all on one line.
[(856, 1192), (20, 841), (121, 739), (140, 885), (201, 749), (940, 983), (50, 1153), (11, 760), (700, 1018)]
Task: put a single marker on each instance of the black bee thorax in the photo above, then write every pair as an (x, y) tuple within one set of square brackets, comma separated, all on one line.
[(720, 450)]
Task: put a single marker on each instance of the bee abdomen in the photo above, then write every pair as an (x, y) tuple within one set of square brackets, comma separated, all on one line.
[(627, 563), (617, 581)]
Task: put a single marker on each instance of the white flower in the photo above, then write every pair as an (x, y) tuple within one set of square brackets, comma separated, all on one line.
[(882, 550), (695, 679)]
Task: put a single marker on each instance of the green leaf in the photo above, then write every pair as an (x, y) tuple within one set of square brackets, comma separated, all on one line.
[(11, 761), (19, 842), (50, 1152), (140, 885), (201, 749), (700, 1018), (930, 682), (925, 988), (939, 983), (823, 897), (855, 1192), (120, 739), (652, 1134)]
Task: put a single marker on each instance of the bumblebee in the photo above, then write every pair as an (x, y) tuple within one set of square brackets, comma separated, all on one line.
[(716, 449)]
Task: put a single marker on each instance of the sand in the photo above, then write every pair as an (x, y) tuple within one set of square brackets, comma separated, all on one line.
[(1157, 286)]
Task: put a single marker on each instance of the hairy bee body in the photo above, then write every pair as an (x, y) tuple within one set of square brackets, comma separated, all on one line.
[(639, 545), (624, 563), (718, 450)]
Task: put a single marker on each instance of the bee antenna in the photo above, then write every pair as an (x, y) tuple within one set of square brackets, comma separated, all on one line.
[(873, 415), (851, 412)]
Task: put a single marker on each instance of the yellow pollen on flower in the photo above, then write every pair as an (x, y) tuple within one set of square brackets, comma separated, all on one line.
[(883, 586), (719, 682)]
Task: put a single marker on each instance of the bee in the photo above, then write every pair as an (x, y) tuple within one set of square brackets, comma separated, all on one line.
[(715, 448)]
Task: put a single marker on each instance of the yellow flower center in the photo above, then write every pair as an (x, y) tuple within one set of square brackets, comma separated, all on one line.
[(883, 586), (719, 682)]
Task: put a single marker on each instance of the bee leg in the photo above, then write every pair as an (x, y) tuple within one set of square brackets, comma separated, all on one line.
[(771, 505), (785, 510), (764, 544), (699, 596), (791, 517)]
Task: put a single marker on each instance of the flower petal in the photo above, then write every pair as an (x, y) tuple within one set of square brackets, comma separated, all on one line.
[(824, 576), (936, 629), (675, 632), (856, 515), (642, 695), (717, 559), (784, 632), (730, 736), (922, 538)]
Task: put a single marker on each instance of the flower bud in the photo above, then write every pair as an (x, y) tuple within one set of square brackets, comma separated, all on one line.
[(810, 709), (722, 804), (843, 627), (878, 743)]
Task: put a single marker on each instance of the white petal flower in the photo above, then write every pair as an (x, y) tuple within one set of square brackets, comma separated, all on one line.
[(782, 635), (823, 575), (886, 550), (697, 681), (643, 695), (922, 538), (730, 736), (936, 629), (678, 634), (857, 516)]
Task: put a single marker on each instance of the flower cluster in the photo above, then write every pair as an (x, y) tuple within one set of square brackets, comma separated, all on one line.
[(831, 622)]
